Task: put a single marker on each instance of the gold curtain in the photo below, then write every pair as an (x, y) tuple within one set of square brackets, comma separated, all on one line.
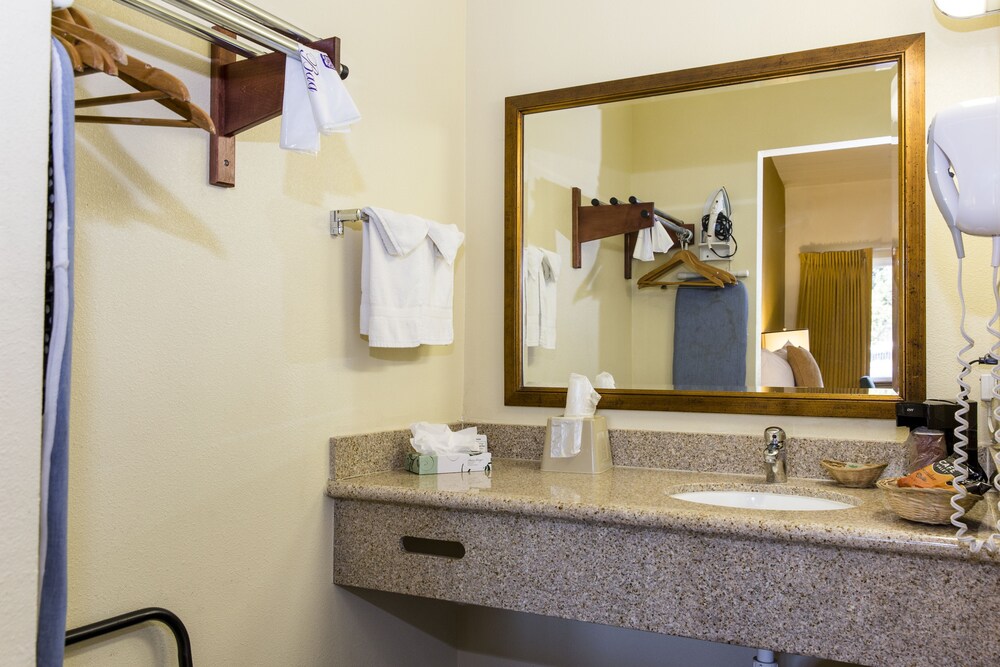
[(835, 304)]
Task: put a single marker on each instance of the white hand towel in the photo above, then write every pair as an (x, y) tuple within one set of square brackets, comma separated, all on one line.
[(333, 108), (551, 264), (531, 271), (407, 279), (298, 125)]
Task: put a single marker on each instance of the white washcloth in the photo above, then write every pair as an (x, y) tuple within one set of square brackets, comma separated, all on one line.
[(407, 279), (298, 125), (332, 106), (540, 271)]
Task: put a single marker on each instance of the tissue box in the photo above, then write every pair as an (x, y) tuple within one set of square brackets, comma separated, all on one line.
[(423, 464)]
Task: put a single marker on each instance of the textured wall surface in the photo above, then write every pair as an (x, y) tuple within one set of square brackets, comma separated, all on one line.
[(218, 347), (22, 284)]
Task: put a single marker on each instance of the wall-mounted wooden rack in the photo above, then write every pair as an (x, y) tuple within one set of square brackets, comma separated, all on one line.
[(246, 93), (591, 223)]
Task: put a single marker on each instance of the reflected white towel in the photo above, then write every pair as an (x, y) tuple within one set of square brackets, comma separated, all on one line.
[(539, 273), (551, 264), (531, 275), (407, 279), (332, 106), (644, 245), (661, 239)]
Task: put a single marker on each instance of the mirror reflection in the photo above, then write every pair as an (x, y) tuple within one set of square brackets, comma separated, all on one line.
[(791, 190)]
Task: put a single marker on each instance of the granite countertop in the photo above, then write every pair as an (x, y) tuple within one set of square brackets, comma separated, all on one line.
[(641, 497)]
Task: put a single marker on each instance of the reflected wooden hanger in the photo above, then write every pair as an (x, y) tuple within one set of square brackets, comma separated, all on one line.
[(101, 53), (714, 277)]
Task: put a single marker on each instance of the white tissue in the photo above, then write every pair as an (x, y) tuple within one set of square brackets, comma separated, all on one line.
[(567, 436), (298, 125), (439, 440), (581, 399), (604, 380)]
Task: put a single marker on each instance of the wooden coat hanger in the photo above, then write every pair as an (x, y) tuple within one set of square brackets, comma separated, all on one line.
[(100, 53), (714, 277), (74, 55)]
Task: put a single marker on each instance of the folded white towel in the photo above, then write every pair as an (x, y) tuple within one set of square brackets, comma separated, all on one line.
[(298, 125), (407, 279), (333, 108)]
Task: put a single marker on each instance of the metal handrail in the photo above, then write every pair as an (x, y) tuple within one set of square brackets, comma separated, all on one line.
[(165, 616)]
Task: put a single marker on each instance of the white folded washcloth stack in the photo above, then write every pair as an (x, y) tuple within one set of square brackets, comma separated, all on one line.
[(315, 102)]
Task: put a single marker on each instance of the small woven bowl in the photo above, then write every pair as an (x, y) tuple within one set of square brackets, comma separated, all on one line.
[(858, 477), (922, 505)]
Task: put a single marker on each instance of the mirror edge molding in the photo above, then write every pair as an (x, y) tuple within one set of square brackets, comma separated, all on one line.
[(908, 52)]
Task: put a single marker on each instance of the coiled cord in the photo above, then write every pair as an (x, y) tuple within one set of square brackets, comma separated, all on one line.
[(723, 230), (962, 430)]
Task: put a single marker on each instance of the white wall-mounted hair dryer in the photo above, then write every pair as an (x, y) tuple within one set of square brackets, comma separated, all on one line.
[(963, 167)]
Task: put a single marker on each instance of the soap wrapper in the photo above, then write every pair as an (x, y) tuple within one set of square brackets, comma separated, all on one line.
[(422, 464), (438, 440), (581, 399), (567, 435)]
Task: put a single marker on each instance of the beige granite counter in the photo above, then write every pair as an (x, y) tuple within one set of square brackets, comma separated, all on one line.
[(642, 497), (858, 585)]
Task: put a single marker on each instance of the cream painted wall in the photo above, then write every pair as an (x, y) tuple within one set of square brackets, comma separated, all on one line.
[(22, 287), (217, 350), (554, 44)]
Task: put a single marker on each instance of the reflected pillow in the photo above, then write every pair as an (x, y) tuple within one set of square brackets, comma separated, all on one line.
[(804, 366), (774, 370), (783, 350)]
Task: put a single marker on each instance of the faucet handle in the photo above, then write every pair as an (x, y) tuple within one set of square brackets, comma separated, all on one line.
[(774, 437)]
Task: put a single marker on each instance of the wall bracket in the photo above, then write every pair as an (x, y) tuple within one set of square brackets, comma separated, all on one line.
[(246, 93)]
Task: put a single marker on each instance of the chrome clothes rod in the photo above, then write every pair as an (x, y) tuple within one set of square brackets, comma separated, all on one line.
[(182, 22), (340, 216), (269, 20), (244, 19)]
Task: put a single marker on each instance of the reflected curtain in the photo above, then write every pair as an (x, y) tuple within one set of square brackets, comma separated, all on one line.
[(835, 304)]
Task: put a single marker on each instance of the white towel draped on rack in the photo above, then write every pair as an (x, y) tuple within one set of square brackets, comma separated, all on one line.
[(407, 279)]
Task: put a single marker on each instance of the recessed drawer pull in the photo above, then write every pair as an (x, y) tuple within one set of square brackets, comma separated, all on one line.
[(422, 545)]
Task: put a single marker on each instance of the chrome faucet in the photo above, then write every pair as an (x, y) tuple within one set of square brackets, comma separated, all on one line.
[(774, 456)]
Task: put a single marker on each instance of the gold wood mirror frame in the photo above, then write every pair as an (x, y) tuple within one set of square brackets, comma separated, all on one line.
[(907, 53)]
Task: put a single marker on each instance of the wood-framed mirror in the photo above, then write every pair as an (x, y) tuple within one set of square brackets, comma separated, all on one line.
[(806, 146)]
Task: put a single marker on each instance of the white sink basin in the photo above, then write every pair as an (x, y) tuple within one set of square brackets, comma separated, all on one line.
[(761, 500)]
